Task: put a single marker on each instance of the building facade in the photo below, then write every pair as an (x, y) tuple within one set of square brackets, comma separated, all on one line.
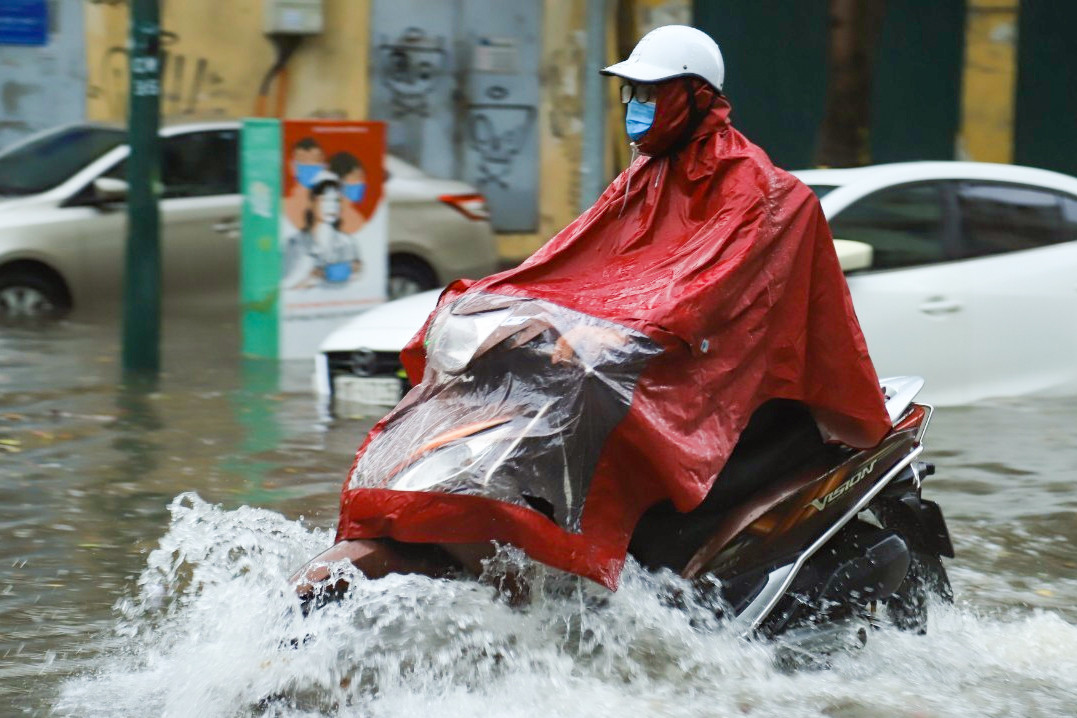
[(492, 92)]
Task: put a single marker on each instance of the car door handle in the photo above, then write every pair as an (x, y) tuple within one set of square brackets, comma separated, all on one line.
[(936, 306), (228, 225)]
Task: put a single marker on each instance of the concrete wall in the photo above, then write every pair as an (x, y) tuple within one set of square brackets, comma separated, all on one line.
[(41, 87)]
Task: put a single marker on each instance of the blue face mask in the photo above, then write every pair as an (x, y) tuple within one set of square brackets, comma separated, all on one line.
[(638, 118), (305, 174), (355, 191)]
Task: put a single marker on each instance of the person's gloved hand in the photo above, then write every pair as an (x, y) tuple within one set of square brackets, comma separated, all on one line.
[(586, 342)]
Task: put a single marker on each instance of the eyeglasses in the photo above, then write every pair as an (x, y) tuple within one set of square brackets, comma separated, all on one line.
[(642, 93)]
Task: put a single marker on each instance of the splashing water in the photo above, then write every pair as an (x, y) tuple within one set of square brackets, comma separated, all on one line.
[(213, 630)]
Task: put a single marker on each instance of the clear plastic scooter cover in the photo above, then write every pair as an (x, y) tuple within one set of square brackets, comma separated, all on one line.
[(494, 415)]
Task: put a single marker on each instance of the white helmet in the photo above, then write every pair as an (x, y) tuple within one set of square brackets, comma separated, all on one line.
[(673, 51)]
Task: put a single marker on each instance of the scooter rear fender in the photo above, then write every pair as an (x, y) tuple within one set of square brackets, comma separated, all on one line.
[(902, 495)]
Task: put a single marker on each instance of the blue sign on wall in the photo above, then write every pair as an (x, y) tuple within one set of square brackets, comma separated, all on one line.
[(24, 22)]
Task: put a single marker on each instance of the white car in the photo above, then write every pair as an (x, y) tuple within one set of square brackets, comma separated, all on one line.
[(964, 273), (63, 226)]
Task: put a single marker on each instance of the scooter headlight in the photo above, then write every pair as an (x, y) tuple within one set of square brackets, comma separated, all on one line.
[(449, 463), (454, 339)]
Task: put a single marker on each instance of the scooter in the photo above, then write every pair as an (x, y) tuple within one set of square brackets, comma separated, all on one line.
[(794, 534), (839, 534)]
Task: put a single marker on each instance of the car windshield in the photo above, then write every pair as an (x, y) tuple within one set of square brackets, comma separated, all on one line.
[(821, 190), (47, 161)]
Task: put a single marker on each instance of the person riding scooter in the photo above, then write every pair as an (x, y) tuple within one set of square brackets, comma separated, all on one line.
[(616, 368)]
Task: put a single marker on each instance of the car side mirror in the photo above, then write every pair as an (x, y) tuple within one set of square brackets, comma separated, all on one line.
[(109, 189), (853, 255)]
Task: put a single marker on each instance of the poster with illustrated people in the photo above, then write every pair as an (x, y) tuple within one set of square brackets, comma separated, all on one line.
[(333, 236)]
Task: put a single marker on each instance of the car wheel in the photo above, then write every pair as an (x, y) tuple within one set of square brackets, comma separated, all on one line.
[(29, 294), (408, 275)]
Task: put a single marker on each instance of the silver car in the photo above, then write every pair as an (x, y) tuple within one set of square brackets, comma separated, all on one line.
[(63, 221)]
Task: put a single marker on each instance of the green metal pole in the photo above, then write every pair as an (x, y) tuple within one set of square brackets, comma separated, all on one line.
[(142, 271)]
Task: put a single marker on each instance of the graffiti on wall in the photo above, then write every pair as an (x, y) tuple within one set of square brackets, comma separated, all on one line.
[(458, 83), (413, 66), (11, 94), (498, 132), (189, 83)]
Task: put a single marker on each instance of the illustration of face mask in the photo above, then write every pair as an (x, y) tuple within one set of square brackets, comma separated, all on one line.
[(638, 118), (329, 206), (338, 271), (355, 191), (306, 172)]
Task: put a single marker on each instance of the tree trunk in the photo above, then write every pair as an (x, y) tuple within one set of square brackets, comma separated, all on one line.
[(854, 32)]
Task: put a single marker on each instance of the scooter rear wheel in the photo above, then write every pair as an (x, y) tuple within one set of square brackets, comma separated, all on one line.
[(907, 607)]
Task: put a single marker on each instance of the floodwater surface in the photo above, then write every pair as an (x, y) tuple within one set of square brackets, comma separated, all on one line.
[(146, 533)]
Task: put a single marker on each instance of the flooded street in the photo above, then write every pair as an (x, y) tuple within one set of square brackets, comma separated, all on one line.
[(146, 534)]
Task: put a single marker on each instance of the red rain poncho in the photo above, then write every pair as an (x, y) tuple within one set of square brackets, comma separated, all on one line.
[(727, 263)]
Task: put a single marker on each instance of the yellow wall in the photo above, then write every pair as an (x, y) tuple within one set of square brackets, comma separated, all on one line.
[(330, 77), (217, 57), (989, 81)]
